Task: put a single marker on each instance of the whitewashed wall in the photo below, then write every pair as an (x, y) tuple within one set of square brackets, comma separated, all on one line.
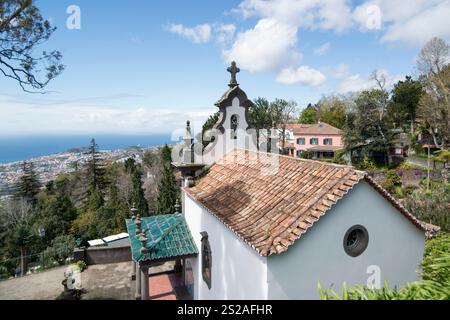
[(224, 144), (238, 272), (395, 245)]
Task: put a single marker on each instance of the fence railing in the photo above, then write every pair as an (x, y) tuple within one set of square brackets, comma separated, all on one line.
[(33, 263)]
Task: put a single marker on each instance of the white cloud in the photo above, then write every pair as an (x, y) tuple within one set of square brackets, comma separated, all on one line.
[(267, 46), (271, 43), (224, 32), (303, 75), (356, 82), (323, 49), (416, 31), (313, 14), (198, 34), (202, 33), (405, 21), (89, 116), (341, 71)]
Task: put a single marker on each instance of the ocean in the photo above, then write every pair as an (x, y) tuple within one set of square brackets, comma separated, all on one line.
[(22, 148)]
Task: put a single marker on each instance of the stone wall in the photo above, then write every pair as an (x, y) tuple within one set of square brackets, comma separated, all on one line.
[(103, 255)]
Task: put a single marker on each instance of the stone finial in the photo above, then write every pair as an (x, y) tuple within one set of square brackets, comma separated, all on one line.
[(138, 223), (189, 182), (143, 239), (177, 206), (133, 212), (233, 69), (187, 138)]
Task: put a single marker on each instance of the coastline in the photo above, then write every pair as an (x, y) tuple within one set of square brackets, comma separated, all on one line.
[(48, 167)]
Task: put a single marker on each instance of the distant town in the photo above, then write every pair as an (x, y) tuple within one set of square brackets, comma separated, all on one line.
[(50, 166)]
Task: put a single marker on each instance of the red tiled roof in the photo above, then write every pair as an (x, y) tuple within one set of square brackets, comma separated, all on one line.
[(270, 211), (317, 128)]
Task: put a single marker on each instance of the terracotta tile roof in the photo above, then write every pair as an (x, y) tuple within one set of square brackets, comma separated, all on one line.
[(317, 128), (270, 211)]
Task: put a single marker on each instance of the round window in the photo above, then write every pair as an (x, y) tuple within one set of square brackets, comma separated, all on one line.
[(356, 240)]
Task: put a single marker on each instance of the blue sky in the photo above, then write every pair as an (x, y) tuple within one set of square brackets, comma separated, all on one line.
[(147, 66)]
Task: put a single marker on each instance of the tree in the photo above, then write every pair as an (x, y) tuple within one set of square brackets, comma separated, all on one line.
[(260, 117), (167, 192), (433, 57), (137, 196), (28, 186), (308, 115), (332, 110), (282, 112), (434, 107), (366, 123), (95, 176), (54, 213), (16, 228), (405, 101), (116, 210), (431, 205), (208, 125), (22, 30), (165, 154), (61, 248)]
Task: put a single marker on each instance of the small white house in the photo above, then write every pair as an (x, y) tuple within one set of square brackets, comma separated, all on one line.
[(272, 227)]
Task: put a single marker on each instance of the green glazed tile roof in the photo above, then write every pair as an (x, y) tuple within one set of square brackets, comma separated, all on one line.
[(168, 237)]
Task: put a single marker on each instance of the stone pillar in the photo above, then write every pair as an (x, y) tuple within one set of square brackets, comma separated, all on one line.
[(133, 263), (145, 291), (133, 270), (184, 272), (137, 295)]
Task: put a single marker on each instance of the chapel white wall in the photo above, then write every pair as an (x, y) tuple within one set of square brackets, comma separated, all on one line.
[(238, 272), (395, 245), (224, 143)]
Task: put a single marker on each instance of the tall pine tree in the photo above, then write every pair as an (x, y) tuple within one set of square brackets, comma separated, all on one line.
[(29, 185), (137, 196), (95, 177), (167, 191)]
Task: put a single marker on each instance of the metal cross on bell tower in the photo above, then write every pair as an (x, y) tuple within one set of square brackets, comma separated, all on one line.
[(233, 69)]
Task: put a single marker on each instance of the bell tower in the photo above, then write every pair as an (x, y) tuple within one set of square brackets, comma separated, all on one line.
[(232, 130)]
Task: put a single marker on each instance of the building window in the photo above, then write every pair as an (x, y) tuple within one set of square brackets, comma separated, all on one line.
[(314, 141), (327, 142), (206, 259), (301, 141), (356, 240)]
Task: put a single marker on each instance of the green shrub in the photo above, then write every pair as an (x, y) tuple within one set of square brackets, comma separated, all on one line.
[(396, 161), (366, 164), (339, 157), (436, 262), (391, 181), (405, 166), (306, 154), (61, 249), (81, 265), (432, 205)]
